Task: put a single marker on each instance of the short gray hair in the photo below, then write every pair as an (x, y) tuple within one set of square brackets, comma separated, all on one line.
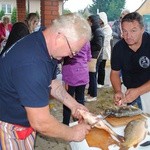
[(6, 19), (72, 25)]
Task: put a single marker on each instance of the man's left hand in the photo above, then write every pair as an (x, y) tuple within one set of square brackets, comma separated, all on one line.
[(130, 95), (75, 111)]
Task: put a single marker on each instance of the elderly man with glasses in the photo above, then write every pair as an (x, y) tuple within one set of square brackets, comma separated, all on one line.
[(28, 78)]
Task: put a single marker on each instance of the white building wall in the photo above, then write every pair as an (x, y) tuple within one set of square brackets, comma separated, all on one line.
[(34, 5)]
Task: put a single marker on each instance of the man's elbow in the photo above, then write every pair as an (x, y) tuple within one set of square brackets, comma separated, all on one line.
[(40, 127)]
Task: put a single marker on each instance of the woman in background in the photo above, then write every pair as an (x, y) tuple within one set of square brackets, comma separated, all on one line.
[(96, 47), (5, 28), (75, 75), (21, 29), (106, 48)]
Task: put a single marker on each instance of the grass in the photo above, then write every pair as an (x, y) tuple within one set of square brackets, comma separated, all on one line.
[(105, 100)]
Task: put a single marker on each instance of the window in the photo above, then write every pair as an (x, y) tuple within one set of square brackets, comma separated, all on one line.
[(6, 8)]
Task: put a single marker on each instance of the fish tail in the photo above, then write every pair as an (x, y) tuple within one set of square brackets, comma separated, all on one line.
[(120, 138)]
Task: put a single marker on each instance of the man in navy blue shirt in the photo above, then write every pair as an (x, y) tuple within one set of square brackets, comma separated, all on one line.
[(131, 55), (28, 77)]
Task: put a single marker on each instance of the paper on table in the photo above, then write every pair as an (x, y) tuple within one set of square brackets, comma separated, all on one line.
[(145, 99)]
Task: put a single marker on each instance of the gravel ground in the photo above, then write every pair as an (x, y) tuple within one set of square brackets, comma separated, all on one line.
[(45, 143)]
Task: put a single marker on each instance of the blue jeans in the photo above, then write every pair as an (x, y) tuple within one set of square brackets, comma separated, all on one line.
[(138, 102), (78, 92)]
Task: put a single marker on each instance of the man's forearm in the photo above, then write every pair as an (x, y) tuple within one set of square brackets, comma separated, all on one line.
[(116, 82), (42, 121), (59, 92)]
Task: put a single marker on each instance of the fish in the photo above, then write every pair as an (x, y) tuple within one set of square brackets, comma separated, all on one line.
[(134, 133), (97, 122), (123, 111)]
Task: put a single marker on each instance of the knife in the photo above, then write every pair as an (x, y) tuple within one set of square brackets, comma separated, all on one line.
[(99, 119), (145, 143)]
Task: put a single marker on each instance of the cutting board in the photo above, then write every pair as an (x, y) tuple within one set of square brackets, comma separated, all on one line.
[(100, 138), (115, 121)]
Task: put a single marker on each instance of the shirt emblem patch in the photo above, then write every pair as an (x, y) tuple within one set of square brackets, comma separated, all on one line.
[(144, 62)]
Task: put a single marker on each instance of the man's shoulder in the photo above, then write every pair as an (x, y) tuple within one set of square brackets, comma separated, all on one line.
[(120, 48), (146, 34), (146, 38), (120, 43)]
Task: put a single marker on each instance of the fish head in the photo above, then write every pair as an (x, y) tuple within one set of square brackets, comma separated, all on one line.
[(87, 116)]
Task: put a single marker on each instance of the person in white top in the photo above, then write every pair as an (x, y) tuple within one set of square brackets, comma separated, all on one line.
[(106, 49)]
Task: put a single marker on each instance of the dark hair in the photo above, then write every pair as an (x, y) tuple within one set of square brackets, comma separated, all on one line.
[(19, 30), (32, 16), (134, 16), (94, 19)]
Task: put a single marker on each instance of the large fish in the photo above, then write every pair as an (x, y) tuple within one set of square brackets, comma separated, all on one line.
[(134, 133), (123, 111), (95, 121)]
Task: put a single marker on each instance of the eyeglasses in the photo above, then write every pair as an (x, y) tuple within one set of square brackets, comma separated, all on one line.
[(72, 52)]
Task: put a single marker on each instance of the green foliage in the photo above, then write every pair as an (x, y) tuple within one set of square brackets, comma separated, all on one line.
[(2, 13), (111, 7), (66, 11), (84, 13), (14, 16), (37, 13)]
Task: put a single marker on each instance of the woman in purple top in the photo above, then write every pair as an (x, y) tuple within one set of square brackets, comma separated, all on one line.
[(75, 75)]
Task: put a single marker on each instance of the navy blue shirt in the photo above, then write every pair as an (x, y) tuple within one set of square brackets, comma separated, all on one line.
[(26, 72), (134, 66)]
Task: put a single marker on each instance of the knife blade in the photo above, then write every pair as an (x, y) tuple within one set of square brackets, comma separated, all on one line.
[(99, 119), (145, 143), (105, 116)]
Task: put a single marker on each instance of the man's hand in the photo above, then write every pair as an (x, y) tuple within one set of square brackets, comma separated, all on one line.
[(80, 131), (75, 111), (118, 98), (130, 95)]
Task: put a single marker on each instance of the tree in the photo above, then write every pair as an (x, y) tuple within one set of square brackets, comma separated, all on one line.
[(2, 13), (111, 7), (14, 15)]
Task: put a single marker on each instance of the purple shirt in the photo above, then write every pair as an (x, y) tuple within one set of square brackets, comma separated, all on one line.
[(75, 70)]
